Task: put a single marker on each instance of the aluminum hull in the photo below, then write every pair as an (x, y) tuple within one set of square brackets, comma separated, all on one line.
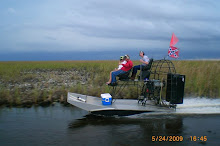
[(121, 107)]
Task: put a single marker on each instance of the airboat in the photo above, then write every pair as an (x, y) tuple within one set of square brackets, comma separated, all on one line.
[(159, 89)]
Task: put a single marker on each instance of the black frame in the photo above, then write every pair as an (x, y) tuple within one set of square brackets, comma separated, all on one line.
[(158, 73)]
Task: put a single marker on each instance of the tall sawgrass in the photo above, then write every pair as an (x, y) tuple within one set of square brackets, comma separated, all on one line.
[(202, 77)]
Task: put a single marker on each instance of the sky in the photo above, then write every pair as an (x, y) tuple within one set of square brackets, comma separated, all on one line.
[(71, 26)]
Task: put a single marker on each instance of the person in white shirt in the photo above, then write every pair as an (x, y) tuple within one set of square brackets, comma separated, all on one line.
[(144, 60), (121, 61)]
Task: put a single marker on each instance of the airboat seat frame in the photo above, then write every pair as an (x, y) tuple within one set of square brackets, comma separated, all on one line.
[(124, 80), (154, 72)]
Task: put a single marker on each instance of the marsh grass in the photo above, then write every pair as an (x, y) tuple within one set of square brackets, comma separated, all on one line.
[(5, 97), (35, 95), (202, 78), (17, 97)]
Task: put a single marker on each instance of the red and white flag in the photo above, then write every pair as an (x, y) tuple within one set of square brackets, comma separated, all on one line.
[(173, 51)]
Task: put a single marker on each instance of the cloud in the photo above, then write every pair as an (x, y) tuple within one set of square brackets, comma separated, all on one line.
[(143, 20), (11, 10), (110, 25)]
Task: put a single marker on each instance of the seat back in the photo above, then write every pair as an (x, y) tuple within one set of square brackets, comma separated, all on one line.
[(147, 67), (145, 71), (124, 76)]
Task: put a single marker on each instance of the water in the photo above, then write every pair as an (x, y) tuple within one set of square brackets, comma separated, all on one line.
[(59, 125)]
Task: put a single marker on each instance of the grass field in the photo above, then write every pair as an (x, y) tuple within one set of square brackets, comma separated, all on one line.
[(202, 77)]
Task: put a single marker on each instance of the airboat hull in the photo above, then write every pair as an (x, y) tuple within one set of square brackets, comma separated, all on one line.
[(120, 107)]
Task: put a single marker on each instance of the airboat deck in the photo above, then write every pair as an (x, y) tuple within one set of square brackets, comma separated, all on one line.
[(121, 107)]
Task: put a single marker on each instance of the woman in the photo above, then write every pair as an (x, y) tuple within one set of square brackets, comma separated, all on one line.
[(125, 67), (121, 61)]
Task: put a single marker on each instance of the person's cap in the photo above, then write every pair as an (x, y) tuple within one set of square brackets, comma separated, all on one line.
[(141, 52), (127, 56), (121, 57)]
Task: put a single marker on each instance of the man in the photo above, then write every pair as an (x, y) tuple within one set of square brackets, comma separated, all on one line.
[(126, 67), (144, 60)]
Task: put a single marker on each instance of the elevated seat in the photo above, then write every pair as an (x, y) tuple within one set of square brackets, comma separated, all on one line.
[(145, 71), (125, 76), (148, 67)]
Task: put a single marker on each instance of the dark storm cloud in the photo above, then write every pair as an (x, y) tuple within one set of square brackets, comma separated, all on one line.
[(108, 25)]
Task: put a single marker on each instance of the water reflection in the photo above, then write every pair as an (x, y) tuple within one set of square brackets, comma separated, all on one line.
[(166, 125), (125, 130)]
